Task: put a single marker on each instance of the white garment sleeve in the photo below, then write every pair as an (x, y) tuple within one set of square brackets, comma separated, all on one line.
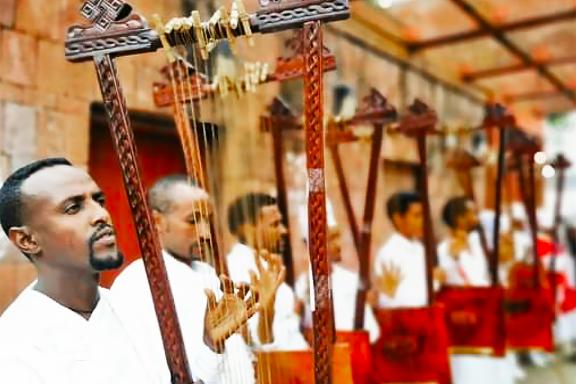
[(371, 324), (17, 371)]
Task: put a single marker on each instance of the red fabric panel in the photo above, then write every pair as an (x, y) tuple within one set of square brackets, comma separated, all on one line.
[(413, 346), (475, 317), (360, 354), (529, 318)]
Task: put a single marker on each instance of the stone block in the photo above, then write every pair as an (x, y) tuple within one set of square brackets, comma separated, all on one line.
[(77, 138), (39, 18), (8, 8), (52, 67), (5, 168), (18, 59), (19, 133), (51, 138), (80, 80)]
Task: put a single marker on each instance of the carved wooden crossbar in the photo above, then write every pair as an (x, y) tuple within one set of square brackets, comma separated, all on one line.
[(113, 31), (419, 123)]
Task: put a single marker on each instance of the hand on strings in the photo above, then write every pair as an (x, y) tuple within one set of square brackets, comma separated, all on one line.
[(439, 275), (271, 275), (459, 243), (390, 279), (506, 252), (225, 316)]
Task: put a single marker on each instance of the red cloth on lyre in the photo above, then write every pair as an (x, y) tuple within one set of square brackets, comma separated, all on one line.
[(360, 353), (529, 318), (413, 346), (474, 317)]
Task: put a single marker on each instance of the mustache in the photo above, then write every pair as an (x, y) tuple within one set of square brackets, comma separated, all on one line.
[(100, 232)]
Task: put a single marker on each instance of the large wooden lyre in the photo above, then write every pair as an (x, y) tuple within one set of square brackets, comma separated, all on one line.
[(474, 315), (114, 31), (530, 302)]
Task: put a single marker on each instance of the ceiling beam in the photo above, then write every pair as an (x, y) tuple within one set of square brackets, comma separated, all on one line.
[(499, 36), (508, 69), (482, 32), (531, 96)]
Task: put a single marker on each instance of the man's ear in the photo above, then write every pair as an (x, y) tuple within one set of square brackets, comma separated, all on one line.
[(159, 221), (24, 240), (397, 220)]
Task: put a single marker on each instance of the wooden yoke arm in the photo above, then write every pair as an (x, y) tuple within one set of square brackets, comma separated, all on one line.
[(523, 148), (420, 122), (497, 117), (376, 111), (279, 118)]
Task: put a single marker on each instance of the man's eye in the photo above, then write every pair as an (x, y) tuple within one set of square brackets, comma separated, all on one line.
[(72, 209), (101, 201)]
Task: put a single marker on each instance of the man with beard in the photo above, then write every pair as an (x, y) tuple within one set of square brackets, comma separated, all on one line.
[(62, 329), (256, 222), (181, 211)]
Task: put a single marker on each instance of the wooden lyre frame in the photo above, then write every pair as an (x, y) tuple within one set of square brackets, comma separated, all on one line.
[(475, 320), (114, 30), (415, 337), (529, 301)]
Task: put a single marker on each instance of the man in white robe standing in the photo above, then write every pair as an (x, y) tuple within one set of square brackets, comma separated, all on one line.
[(181, 211), (463, 262), (400, 265), (62, 329), (256, 222)]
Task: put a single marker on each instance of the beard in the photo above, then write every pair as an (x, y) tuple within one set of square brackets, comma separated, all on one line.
[(111, 260)]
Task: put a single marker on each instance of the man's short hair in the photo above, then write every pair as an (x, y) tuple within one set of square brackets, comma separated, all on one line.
[(245, 209), (400, 202), (11, 201), (454, 208), (159, 197)]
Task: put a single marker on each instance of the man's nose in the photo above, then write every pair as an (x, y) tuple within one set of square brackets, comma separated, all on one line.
[(100, 215)]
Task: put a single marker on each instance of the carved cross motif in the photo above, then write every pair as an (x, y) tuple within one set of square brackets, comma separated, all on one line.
[(102, 12)]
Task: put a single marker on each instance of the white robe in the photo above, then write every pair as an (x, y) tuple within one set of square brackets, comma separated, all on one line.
[(286, 324), (43, 342), (131, 295), (407, 255), (471, 269), (344, 288)]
